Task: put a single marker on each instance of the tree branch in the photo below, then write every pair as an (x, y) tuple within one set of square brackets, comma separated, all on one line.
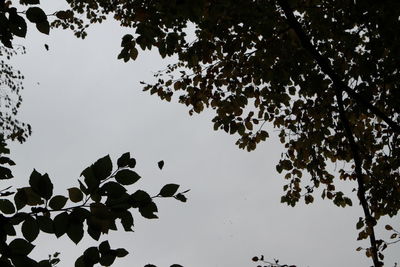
[(326, 67)]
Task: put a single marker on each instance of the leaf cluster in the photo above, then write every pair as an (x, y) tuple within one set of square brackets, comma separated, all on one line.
[(99, 204)]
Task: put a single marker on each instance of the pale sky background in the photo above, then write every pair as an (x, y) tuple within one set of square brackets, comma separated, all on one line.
[(83, 104)]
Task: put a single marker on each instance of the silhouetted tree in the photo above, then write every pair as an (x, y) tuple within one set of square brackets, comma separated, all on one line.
[(325, 73)]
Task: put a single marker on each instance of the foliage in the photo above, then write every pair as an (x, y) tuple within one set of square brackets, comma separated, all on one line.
[(10, 97), (93, 207), (324, 73)]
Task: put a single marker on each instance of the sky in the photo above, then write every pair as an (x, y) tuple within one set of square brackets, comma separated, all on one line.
[(83, 104)]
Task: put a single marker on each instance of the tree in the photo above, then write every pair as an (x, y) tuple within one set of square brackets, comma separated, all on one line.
[(325, 73)]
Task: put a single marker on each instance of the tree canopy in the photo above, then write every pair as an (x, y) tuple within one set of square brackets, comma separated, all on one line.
[(325, 73)]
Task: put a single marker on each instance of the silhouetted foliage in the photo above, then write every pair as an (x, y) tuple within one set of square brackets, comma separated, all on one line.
[(101, 202), (324, 73)]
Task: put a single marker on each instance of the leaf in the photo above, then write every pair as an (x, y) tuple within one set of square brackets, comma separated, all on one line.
[(75, 194), (20, 199), (43, 27), (388, 227), (20, 246), (61, 223), (75, 232), (104, 247), (93, 232), (18, 27), (121, 252), (181, 197), (5, 173), (160, 164), (45, 224), (102, 168), (133, 53), (139, 198), (58, 202), (36, 15), (127, 221), (113, 190), (6, 206), (107, 259), (169, 190), (176, 265), (360, 223), (91, 255), (123, 161), (41, 185), (30, 229), (32, 198), (147, 211), (127, 177), (91, 180)]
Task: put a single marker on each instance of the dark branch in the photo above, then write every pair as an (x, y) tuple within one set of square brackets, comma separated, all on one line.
[(325, 66)]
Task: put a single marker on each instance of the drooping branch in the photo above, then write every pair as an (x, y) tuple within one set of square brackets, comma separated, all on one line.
[(341, 87), (358, 171), (326, 67)]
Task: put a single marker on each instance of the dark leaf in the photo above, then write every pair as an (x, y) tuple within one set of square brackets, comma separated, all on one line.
[(123, 161), (36, 15), (21, 246), (102, 168), (121, 252), (107, 259), (75, 194), (61, 223), (169, 190), (41, 184), (45, 224), (104, 247), (160, 164), (181, 197), (58, 202), (148, 210), (75, 232), (127, 177), (30, 229), (6, 206)]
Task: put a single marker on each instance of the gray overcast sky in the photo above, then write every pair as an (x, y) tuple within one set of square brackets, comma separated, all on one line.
[(83, 103)]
